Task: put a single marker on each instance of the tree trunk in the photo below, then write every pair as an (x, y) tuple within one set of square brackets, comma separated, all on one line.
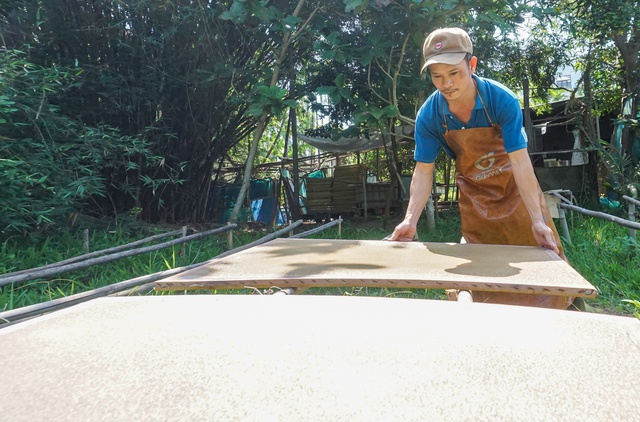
[(629, 49), (262, 122), (295, 206)]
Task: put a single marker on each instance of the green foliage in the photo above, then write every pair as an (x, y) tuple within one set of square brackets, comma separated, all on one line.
[(623, 174), (604, 254), (163, 87), (269, 100), (373, 77), (604, 44), (46, 169), (636, 304), (55, 166), (135, 105), (536, 58)]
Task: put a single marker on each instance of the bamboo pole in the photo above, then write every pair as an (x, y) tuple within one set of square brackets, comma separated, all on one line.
[(140, 284), (262, 240), (103, 259), (229, 239), (141, 290), (149, 286), (364, 192), (318, 229), (632, 212), (64, 302), (183, 234), (563, 224), (632, 217), (631, 200), (287, 39), (96, 253), (295, 210), (602, 215), (465, 296), (85, 241)]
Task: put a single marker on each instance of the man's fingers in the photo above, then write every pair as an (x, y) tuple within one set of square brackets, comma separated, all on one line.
[(394, 237)]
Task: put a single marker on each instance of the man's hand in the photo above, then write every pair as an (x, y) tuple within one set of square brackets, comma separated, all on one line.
[(421, 186), (404, 232), (544, 236)]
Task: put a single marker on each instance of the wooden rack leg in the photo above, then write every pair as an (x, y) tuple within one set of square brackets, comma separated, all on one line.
[(563, 223)]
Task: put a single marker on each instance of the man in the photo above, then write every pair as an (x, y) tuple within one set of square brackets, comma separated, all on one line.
[(479, 123)]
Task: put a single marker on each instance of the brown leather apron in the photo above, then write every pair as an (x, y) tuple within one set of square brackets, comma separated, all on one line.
[(491, 209)]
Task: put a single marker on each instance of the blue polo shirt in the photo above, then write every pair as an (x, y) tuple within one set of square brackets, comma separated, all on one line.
[(503, 108)]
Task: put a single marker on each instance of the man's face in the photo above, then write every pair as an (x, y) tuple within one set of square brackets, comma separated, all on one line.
[(454, 81)]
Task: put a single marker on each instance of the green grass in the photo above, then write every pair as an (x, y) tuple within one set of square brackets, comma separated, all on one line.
[(601, 251), (15, 256)]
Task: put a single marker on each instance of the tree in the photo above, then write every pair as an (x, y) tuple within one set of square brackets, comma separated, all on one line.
[(372, 61), (606, 37), (184, 82), (50, 165), (599, 29), (271, 95), (174, 75)]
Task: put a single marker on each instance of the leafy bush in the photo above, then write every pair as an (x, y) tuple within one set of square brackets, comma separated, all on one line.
[(52, 166)]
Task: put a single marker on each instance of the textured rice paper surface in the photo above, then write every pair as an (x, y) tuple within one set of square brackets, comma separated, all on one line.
[(368, 263)]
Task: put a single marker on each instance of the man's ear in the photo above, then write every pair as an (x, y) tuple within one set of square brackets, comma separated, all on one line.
[(473, 63)]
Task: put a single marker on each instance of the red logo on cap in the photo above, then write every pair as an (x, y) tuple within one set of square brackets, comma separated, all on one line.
[(438, 46)]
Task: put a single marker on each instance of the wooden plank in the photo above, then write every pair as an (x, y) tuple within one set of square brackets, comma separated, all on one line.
[(343, 263), (311, 358)]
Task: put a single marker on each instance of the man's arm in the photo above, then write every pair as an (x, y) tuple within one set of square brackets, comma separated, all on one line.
[(528, 188), (421, 186)]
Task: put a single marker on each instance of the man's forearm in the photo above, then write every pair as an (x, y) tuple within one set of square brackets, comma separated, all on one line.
[(527, 184), (421, 187)]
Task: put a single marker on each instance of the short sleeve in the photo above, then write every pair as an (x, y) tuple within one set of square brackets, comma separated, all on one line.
[(426, 133), (510, 121)]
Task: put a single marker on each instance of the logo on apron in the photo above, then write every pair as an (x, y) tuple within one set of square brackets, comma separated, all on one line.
[(484, 164)]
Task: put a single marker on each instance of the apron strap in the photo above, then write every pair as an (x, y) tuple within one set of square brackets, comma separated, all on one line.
[(483, 106)]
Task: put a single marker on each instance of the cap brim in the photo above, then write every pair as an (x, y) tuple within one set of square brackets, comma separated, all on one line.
[(447, 58)]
